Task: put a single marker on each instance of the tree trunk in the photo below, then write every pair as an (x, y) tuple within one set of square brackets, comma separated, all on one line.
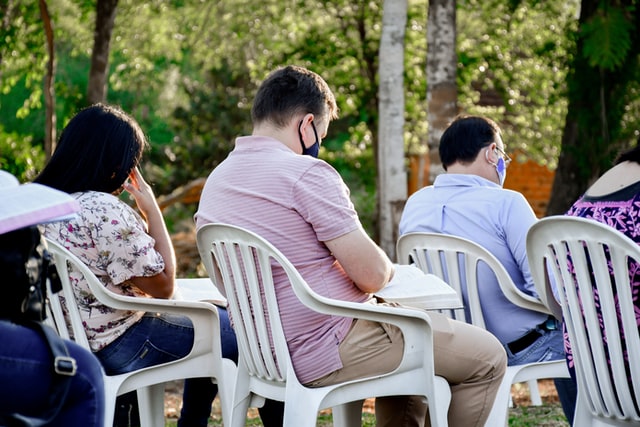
[(49, 88), (442, 90), (392, 175), (597, 100), (98, 74)]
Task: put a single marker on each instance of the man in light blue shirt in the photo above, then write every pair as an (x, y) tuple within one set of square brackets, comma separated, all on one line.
[(469, 201)]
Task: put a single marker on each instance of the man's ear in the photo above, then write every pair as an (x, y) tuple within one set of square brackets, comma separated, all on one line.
[(490, 153), (303, 127)]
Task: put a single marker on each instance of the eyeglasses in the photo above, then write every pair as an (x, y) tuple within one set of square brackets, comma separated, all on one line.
[(505, 156)]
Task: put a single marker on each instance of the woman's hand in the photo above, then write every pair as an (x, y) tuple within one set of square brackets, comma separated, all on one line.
[(161, 285), (142, 193)]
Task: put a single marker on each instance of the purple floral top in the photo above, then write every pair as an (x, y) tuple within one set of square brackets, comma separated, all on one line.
[(110, 238), (619, 210)]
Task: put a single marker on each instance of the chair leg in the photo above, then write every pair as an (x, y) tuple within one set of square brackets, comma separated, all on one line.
[(439, 404), (109, 412), (301, 409), (348, 414), (238, 413), (534, 392), (151, 404), (110, 394), (300, 419), (583, 416)]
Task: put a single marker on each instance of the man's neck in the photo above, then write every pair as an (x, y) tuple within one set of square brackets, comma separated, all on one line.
[(474, 168), (286, 135)]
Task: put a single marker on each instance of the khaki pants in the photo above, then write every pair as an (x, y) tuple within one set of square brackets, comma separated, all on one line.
[(471, 359)]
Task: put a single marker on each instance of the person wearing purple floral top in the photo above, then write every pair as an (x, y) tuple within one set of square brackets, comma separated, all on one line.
[(614, 200), (96, 159)]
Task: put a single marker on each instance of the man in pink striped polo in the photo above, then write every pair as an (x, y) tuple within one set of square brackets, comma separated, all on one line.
[(273, 184)]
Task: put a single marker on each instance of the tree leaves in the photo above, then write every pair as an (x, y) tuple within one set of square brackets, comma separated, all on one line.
[(607, 38)]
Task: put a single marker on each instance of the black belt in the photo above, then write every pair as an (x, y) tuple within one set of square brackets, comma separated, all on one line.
[(531, 336)]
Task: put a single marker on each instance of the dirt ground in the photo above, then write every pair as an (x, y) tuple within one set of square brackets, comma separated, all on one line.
[(520, 393)]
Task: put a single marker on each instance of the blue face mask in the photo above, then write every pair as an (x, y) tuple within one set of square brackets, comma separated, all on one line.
[(315, 148), (500, 165), (501, 168)]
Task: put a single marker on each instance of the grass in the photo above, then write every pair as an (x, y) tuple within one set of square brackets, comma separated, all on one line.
[(547, 415), (521, 415)]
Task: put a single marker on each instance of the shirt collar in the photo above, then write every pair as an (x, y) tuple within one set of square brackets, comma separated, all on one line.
[(462, 180), (251, 142)]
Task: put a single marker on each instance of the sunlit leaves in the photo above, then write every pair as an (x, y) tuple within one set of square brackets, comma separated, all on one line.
[(19, 156), (188, 69), (21, 45), (512, 67)]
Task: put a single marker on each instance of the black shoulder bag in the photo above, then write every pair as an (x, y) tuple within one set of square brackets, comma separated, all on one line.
[(31, 313)]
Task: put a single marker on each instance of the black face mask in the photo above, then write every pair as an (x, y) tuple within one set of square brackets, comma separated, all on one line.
[(315, 148)]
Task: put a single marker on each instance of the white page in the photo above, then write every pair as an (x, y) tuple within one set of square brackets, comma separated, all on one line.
[(411, 286)]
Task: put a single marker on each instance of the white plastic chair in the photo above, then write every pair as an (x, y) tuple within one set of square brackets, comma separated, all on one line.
[(204, 360), (455, 260), (241, 262), (580, 253)]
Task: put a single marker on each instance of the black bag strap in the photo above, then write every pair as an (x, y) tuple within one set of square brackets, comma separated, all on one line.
[(64, 367)]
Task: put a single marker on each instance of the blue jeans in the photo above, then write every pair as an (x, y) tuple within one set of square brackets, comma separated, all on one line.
[(155, 339), (550, 346), (26, 375)]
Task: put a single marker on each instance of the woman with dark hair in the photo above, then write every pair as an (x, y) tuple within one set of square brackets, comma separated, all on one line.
[(97, 151), (614, 200), (97, 157)]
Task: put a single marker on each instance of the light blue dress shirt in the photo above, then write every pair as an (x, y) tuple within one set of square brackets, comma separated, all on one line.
[(477, 209)]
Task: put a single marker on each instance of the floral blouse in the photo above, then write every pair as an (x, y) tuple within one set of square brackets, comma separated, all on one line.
[(111, 239), (621, 211)]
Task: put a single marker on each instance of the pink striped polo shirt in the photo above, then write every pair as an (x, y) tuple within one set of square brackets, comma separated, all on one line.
[(296, 202)]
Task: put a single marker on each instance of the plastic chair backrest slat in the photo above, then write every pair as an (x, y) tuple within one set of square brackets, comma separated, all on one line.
[(590, 263)]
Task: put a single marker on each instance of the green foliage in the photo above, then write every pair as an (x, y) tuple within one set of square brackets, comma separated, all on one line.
[(205, 128), (22, 46), (512, 67), (597, 122), (607, 38), (609, 81), (208, 62), (22, 55), (187, 71), (19, 156), (535, 416)]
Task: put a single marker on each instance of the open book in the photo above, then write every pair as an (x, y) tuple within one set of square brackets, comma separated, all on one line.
[(198, 289), (30, 204), (412, 287), (409, 286)]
